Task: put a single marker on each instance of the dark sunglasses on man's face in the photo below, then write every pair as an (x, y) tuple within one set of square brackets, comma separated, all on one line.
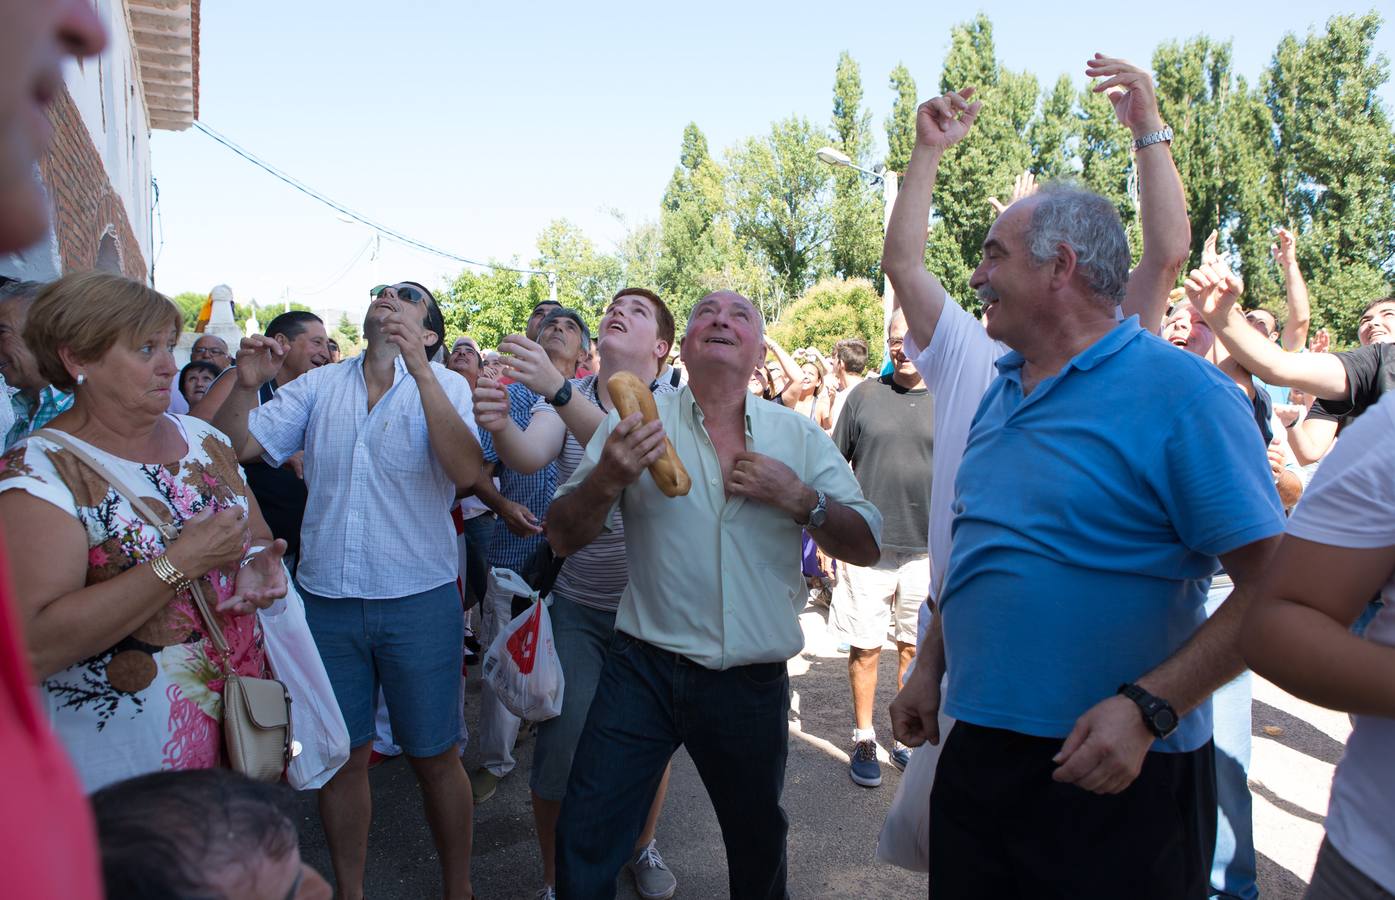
[(405, 292)]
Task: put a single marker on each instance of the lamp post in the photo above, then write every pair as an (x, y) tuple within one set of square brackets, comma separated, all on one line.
[(888, 181)]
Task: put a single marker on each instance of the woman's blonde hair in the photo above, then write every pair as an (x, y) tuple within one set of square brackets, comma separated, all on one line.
[(88, 313)]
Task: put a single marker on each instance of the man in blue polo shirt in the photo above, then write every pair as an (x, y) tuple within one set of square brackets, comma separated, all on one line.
[(1103, 477)]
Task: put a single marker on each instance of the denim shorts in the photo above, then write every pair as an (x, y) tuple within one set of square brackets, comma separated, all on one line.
[(581, 635), (411, 647)]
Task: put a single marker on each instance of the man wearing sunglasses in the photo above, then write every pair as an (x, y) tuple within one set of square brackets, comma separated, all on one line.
[(389, 437)]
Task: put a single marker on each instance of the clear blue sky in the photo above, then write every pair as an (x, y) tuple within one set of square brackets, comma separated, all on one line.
[(471, 125)]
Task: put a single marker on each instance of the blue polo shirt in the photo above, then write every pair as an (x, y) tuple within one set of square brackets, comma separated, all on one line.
[(1088, 519)]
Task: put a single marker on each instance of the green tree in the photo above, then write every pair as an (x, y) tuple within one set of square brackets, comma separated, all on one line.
[(780, 204), (832, 310), (586, 277), (347, 329), (986, 162), (1335, 163), (857, 208), (1054, 132), (189, 303), (900, 125), (491, 304)]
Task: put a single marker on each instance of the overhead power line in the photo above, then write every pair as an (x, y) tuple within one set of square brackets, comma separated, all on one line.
[(385, 231)]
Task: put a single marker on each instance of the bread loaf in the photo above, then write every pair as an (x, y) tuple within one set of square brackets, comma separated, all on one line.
[(630, 396)]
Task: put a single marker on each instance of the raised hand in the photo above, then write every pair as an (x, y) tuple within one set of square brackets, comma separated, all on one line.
[(1130, 90), (491, 405), (260, 583), (1213, 289), (1025, 185), (258, 361), (403, 328), (1321, 342), (528, 363), (1284, 248), (945, 120), (1208, 248)]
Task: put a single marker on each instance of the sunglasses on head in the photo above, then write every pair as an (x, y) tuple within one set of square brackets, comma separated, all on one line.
[(405, 292)]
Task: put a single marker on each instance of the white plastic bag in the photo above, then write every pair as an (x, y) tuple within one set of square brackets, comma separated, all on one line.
[(522, 667), (317, 725), (905, 837)]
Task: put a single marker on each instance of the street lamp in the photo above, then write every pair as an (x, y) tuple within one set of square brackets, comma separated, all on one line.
[(887, 179)]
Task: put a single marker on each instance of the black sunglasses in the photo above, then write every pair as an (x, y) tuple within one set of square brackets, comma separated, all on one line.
[(406, 292)]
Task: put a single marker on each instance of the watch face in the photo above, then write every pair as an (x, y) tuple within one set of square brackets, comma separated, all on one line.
[(1165, 721)]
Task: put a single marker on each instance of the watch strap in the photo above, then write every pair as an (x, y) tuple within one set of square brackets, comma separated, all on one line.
[(1163, 135)]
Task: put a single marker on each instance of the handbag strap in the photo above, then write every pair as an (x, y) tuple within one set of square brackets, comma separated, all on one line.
[(168, 531)]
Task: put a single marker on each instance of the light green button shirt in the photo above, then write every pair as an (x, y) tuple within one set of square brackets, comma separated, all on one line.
[(717, 579)]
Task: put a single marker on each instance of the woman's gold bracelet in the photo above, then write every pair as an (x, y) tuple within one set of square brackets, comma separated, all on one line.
[(166, 572)]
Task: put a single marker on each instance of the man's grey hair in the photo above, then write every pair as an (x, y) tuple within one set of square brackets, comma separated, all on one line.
[(1069, 214)]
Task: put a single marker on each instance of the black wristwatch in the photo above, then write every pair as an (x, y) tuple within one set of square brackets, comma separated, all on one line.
[(1158, 714), (563, 395)]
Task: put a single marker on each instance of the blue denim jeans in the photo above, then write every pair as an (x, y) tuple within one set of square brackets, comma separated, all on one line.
[(1233, 866), (647, 704)]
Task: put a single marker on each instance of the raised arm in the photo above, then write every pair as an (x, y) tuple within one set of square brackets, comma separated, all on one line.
[(529, 363), (453, 441), (524, 450), (789, 367), (1162, 206), (939, 124), (217, 392), (1295, 335), (258, 361), (1215, 290)]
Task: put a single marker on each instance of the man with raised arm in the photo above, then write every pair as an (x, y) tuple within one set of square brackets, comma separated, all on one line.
[(1091, 508), (635, 334), (388, 438), (1346, 383), (707, 620)]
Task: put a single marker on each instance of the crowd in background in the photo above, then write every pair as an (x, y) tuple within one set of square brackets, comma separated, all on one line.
[(1076, 520)]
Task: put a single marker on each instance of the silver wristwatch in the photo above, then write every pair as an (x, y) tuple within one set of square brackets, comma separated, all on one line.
[(819, 514), (1153, 137)]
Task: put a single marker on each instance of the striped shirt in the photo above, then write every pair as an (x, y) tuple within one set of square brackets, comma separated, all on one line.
[(377, 522), (595, 575), (507, 550)]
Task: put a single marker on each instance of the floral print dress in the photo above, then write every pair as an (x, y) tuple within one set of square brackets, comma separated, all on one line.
[(153, 700)]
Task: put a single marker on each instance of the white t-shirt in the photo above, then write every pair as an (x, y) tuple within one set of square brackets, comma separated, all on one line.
[(957, 368), (1351, 503)]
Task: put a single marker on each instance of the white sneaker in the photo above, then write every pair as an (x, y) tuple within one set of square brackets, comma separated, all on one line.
[(548, 892)]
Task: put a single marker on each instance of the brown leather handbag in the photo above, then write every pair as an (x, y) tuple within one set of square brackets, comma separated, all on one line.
[(256, 711)]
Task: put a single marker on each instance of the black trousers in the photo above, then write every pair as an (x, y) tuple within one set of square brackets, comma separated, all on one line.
[(1000, 827)]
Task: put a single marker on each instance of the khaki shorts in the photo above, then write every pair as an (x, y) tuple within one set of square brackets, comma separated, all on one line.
[(881, 598)]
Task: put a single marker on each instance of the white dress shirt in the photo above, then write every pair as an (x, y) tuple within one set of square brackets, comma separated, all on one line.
[(377, 524)]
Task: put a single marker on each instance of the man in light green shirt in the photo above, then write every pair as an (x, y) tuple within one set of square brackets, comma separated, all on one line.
[(709, 617)]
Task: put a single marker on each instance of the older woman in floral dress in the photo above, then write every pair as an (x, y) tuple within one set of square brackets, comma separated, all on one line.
[(130, 678)]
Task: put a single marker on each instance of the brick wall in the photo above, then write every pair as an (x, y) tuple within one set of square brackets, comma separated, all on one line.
[(84, 204)]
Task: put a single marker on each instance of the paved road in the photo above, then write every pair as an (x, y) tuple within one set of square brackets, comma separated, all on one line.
[(833, 823)]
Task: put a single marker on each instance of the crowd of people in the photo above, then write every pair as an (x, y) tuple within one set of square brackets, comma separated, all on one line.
[(1077, 520)]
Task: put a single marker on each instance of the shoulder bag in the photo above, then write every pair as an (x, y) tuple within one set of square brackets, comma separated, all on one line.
[(256, 711)]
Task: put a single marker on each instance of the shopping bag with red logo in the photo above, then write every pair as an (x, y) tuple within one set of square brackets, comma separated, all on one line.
[(522, 665)]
